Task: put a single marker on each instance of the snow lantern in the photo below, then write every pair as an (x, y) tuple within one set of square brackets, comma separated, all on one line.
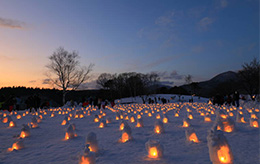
[(176, 114), (219, 149), (18, 117), (52, 114), (253, 115), (186, 122), (102, 124), (190, 116), (12, 124), (16, 146), (70, 133), (96, 119), (230, 114), (39, 118), (207, 118), (34, 122), (254, 123), (87, 157), (140, 123), (191, 135), (158, 127), (240, 118), (126, 134), (92, 141), (158, 116), (132, 119), (226, 125), (122, 125), (165, 119), (154, 149), (7, 119), (25, 131), (65, 122), (126, 117), (108, 120), (117, 116)]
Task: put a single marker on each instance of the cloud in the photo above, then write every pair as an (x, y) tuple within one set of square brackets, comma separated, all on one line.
[(88, 85), (6, 58), (173, 75), (168, 83), (196, 12), (32, 81), (46, 81), (205, 22), (9, 23), (197, 49), (223, 3), (166, 19), (159, 61)]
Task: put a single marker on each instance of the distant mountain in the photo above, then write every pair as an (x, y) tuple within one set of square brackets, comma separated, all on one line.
[(224, 83)]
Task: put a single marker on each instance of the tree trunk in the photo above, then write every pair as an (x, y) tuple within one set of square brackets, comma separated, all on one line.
[(63, 97)]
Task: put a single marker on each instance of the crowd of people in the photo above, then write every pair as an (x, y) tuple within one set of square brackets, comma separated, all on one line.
[(17, 103), (100, 103), (231, 99)]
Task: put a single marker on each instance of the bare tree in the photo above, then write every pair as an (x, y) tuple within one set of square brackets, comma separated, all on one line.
[(103, 79), (250, 77), (188, 79), (65, 71)]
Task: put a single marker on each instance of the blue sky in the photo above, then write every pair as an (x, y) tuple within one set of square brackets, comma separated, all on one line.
[(174, 37)]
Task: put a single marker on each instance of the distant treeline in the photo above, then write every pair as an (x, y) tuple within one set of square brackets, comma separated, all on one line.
[(53, 95)]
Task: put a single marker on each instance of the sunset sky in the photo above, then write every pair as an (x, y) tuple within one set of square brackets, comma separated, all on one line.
[(171, 37)]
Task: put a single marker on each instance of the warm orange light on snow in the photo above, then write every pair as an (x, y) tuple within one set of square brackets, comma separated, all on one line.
[(101, 125), (228, 128), (67, 137), (85, 160), (190, 117), (255, 124), (18, 117), (24, 134), (157, 129), (224, 154), (125, 137), (153, 152), (5, 120), (11, 124), (138, 125), (64, 122), (185, 124), (121, 126), (207, 119), (132, 119), (165, 120), (193, 137), (96, 119)]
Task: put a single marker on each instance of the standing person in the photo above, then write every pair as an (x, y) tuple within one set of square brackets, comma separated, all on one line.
[(18, 102), (2, 101), (236, 98), (112, 103)]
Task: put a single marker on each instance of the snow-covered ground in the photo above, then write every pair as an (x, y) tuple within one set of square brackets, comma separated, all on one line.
[(46, 143)]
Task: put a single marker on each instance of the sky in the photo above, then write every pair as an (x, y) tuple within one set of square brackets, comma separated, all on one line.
[(171, 37)]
